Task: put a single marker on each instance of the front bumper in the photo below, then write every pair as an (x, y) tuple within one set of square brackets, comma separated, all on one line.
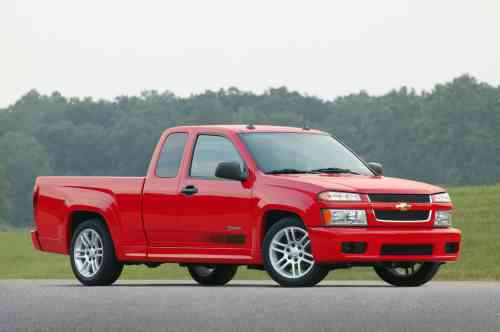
[(327, 244)]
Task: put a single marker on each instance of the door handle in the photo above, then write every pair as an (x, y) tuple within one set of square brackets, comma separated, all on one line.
[(189, 190)]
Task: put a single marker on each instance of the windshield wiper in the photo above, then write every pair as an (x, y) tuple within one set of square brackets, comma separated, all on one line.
[(333, 170), (287, 171)]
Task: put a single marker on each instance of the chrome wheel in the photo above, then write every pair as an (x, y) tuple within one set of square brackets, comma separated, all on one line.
[(88, 253), (407, 274), (403, 269), (290, 252), (204, 270)]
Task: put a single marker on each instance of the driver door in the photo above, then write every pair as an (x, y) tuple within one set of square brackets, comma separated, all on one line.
[(214, 214)]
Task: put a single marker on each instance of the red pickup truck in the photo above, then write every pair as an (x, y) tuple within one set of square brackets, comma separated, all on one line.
[(293, 201)]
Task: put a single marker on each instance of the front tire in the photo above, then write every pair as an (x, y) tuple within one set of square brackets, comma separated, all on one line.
[(92, 255), (409, 274), (288, 257), (212, 275)]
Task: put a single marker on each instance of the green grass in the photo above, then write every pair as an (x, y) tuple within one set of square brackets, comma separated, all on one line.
[(477, 211)]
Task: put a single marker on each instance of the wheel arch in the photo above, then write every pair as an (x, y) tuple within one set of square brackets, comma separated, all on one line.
[(311, 274), (79, 215), (272, 216)]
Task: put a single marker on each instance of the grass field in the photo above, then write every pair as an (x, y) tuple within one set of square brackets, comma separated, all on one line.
[(477, 211)]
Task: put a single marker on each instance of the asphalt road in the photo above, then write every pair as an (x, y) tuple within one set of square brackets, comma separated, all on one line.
[(248, 306)]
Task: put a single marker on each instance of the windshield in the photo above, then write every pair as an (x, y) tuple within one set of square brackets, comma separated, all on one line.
[(302, 153)]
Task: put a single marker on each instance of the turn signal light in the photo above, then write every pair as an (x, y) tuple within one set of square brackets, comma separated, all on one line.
[(335, 217)]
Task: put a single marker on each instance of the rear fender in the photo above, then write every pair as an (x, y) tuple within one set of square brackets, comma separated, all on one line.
[(102, 204)]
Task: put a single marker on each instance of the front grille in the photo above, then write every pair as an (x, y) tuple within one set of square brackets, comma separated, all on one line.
[(396, 215), (384, 198), (406, 250)]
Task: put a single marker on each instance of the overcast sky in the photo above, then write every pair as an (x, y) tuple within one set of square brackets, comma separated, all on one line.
[(105, 48)]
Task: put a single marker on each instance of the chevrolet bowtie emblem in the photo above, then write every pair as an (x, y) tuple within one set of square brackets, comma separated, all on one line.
[(403, 206)]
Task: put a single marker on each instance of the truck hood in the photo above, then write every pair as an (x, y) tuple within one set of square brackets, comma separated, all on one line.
[(358, 183)]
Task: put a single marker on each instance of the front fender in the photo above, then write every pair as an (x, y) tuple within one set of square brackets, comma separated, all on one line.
[(301, 203), (290, 200)]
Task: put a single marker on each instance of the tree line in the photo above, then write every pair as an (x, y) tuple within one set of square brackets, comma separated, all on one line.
[(449, 136)]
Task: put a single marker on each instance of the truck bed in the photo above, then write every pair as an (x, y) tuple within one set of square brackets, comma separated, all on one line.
[(57, 198)]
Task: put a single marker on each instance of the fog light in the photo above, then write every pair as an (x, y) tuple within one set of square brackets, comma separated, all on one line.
[(333, 217), (451, 247), (443, 219), (353, 247)]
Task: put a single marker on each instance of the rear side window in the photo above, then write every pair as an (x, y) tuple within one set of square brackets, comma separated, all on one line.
[(171, 155), (209, 152)]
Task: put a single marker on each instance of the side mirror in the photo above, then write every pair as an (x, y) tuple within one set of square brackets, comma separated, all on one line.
[(230, 170), (377, 168)]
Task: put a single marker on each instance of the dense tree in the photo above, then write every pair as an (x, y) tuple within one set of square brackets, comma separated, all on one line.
[(450, 135), (3, 195), (26, 159)]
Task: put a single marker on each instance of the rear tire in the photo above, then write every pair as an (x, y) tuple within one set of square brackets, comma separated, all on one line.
[(389, 273), (287, 255), (212, 275), (92, 255)]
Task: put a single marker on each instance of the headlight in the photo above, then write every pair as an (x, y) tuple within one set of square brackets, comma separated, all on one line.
[(332, 196), (333, 217), (443, 219), (441, 198)]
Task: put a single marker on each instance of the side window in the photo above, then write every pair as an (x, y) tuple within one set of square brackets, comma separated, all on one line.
[(171, 155), (209, 152)]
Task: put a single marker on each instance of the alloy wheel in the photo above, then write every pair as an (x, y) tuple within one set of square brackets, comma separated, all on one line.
[(290, 252), (403, 269), (88, 253)]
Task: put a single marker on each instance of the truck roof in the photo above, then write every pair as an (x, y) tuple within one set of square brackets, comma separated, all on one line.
[(247, 128)]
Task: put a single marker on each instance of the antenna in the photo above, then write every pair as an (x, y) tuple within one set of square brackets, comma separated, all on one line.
[(250, 126), (305, 127)]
